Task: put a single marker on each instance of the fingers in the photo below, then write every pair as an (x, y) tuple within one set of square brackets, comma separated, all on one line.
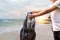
[(34, 13), (31, 16)]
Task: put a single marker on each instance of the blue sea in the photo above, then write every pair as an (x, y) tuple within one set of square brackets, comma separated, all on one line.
[(10, 22)]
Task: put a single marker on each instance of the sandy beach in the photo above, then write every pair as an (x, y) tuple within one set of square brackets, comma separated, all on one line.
[(43, 32)]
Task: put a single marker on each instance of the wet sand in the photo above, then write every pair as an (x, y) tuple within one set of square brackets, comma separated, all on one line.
[(43, 32)]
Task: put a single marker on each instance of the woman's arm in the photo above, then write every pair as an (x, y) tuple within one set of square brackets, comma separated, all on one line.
[(43, 12)]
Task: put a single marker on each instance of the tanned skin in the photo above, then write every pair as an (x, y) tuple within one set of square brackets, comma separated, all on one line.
[(43, 11)]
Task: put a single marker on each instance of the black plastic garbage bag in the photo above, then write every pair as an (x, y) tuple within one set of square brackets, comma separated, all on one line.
[(28, 30)]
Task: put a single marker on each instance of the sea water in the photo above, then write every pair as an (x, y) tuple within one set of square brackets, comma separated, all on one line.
[(10, 22)]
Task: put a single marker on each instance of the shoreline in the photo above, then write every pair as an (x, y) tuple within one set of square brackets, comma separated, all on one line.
[(15, 28), (10, 29), (43, 32)]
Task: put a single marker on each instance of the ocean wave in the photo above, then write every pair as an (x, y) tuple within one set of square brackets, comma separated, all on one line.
[(10, 29)]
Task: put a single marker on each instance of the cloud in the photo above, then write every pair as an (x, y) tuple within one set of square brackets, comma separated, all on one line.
[(18, 8)]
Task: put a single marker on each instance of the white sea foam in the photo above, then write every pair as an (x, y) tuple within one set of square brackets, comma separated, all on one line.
[(10, 29)]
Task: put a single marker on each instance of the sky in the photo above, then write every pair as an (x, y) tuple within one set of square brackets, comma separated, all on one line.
[(17, 9)]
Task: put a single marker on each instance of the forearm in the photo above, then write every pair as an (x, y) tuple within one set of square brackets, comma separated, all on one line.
[(43, 12), (46, 11)]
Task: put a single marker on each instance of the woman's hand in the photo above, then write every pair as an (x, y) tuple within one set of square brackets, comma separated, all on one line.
[(32, 15)]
